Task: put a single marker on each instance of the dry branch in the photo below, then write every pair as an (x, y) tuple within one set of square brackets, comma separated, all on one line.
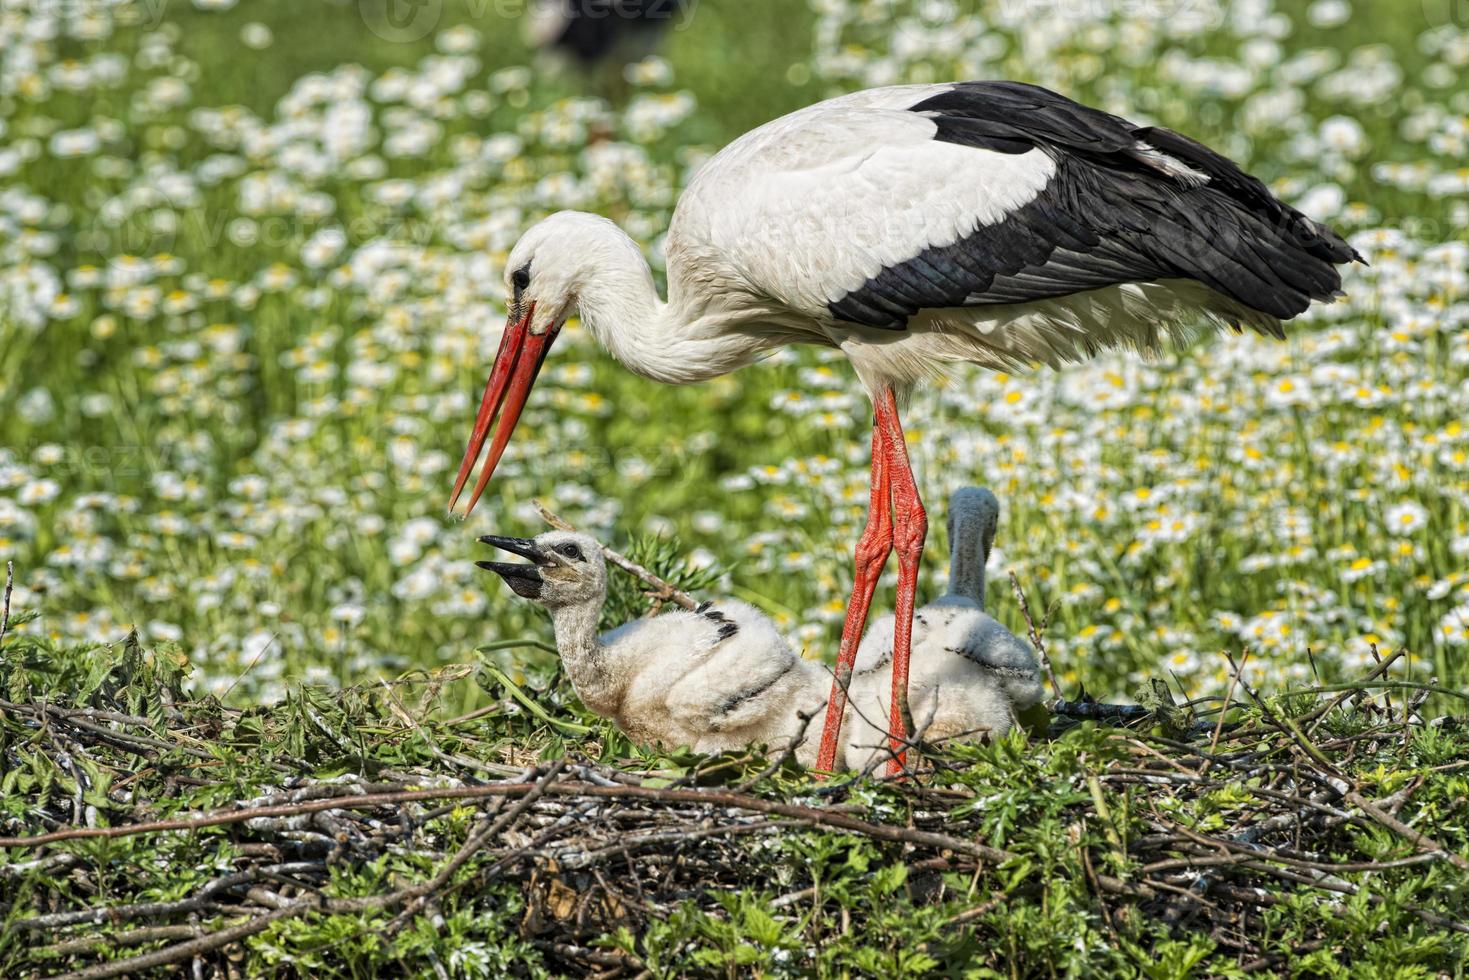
[(194, 947), (9, 584), (1036, 634), (812, 816), (660, 589)]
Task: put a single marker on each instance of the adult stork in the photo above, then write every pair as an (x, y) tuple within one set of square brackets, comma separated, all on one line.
[(910, 226)]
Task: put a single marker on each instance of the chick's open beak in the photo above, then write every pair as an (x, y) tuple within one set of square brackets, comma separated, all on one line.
[(517, 363), (524, 580)]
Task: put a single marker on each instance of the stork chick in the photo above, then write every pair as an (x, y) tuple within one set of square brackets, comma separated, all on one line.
[(969, 674), (715, 679)]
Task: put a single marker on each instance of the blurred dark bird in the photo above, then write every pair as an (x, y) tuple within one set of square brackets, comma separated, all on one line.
[(912, 227), (592, 33)]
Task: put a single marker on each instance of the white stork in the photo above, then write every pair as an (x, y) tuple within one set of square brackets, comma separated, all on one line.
[(911, 226)]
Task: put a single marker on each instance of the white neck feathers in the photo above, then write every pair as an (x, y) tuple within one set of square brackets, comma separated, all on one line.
[(974, 514), (683, 342), (584, 656)]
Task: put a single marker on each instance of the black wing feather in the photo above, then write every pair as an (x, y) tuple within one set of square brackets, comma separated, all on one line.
[(1113, 213)]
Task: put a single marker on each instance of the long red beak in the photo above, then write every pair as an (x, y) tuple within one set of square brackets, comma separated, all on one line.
[(517, 363)]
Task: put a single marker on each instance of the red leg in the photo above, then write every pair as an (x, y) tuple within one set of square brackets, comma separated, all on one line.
[(872, 554), (910, 529)]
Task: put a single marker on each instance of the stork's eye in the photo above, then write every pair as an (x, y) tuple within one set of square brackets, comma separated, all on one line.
[(571, 551), (520, 278)]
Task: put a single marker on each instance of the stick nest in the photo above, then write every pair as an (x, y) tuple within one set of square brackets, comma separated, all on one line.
[(148, 832)]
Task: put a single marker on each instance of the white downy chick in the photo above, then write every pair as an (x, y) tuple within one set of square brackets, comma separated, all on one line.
[(716, 679), (968, 674)]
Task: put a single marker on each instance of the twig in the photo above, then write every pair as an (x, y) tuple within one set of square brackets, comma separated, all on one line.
[(529, 704), (979, 911), (792, 745), (463, 762), (810, 815), (1288, 728), (473, 844), (194, 947), (1423, 841), (138, 744), (113, 914), (1359, 686), (597, 957), (1254, 858), (1314, 718), (664, 590), (136, 937), (575, 859), (9, 584), (1035, 634), (250, 666), (1104, 814), (1273, 854), (1098, 711), (1293, 732), (1228, 697)]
